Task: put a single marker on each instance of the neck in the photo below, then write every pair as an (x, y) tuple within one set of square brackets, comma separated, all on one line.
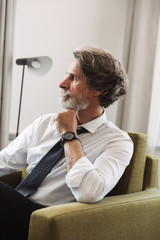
[(88, 115)]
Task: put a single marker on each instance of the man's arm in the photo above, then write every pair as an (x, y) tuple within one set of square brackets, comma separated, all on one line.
[(73, 152), (67, 122), (14, 156), (90, 182)]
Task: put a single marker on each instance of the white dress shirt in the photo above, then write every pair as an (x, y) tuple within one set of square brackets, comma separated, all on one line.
[(107, 150)]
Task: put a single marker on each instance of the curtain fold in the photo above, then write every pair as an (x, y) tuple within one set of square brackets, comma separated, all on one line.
[(140, 61), (7, 22), (139, 111), (141, 65), (154, 115), (126, 55)]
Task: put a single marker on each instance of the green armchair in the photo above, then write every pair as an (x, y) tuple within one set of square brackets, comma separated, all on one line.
[(130, 211)]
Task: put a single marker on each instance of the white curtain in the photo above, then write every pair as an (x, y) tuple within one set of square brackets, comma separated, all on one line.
[(154, 116), (7, 20), (140, 111)]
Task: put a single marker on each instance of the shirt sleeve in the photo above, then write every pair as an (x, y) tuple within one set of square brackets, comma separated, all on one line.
[(91, 182), (14, 156)]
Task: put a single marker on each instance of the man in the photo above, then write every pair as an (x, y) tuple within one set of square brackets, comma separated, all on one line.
[(93, 162)]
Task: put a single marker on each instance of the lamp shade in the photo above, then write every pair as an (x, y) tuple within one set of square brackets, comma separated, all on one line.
[(38, 66)]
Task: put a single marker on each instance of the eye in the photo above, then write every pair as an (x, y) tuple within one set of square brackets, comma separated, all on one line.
[(73, 77)]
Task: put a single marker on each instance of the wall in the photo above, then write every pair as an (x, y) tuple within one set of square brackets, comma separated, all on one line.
[(55, 28)]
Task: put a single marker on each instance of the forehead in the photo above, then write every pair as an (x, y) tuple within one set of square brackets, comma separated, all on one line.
[(74, 68)]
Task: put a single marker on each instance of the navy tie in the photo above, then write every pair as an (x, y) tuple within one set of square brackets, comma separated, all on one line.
[(31, 183)]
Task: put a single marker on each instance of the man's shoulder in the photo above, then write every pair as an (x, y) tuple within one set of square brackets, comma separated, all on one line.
[(46, 116), (110, 129), (44, 119)]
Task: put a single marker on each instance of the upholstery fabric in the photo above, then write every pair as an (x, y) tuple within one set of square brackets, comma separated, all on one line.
[(130, 216)]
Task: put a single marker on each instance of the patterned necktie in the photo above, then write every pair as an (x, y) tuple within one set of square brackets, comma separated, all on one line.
[(31, 183)]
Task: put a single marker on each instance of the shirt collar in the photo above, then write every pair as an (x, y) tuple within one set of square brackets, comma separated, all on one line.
[(93, 125)]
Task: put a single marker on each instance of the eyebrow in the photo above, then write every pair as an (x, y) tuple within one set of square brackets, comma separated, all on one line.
[(73, 74)]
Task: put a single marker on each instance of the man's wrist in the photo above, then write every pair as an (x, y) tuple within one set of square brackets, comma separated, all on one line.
[(68, 136)]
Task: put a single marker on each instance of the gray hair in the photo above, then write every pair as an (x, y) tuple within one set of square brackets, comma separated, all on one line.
[(102, 72)]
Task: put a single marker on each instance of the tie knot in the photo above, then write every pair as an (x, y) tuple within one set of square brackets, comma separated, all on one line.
[(81, 129)]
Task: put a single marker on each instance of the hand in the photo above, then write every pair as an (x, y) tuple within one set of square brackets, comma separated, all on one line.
[(66, 121)]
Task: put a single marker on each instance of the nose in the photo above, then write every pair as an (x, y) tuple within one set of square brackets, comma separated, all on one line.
[(65, 83)]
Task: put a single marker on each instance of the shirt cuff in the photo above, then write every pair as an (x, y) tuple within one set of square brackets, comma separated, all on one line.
[(77, 172)]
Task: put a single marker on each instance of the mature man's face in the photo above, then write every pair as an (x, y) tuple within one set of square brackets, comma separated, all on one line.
[(74, 92)]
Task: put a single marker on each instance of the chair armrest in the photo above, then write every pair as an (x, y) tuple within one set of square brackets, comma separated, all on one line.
[(12, 179), (151, 172), (130, 216)]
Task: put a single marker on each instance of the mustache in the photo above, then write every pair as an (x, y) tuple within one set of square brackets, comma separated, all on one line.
[(64, 93)]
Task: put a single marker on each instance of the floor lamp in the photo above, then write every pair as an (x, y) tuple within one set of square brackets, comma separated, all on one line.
[(37, 66)]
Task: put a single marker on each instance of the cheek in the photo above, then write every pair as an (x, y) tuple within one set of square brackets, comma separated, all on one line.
[(76, 90), (79, 89)]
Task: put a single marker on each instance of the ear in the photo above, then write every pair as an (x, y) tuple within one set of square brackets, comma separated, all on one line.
[(98, 93)]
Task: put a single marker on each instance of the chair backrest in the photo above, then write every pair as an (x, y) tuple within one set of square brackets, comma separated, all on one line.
[(132, 179)]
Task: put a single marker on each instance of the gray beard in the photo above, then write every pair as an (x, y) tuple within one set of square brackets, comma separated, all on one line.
[(69, 102)]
